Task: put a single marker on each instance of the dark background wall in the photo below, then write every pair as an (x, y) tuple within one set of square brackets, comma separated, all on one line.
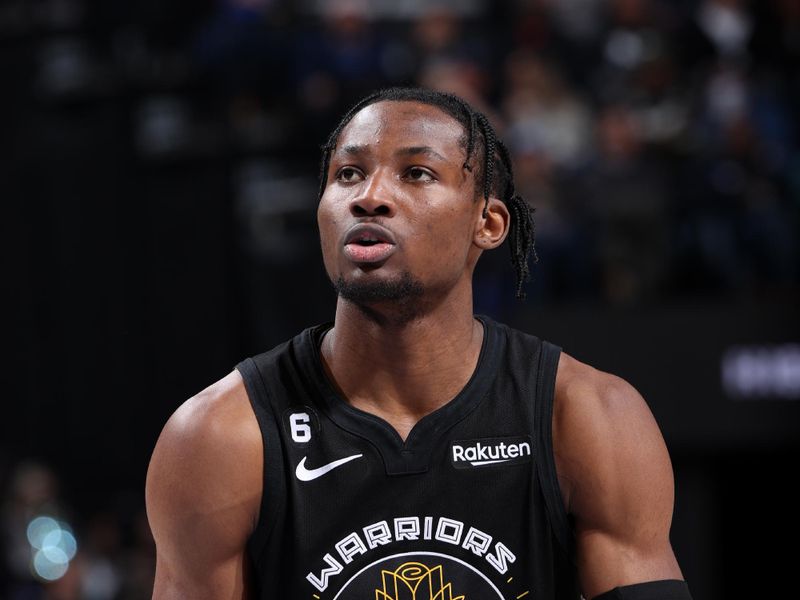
[(158, 183)]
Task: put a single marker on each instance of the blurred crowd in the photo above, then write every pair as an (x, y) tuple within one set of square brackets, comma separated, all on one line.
[(657, 141)]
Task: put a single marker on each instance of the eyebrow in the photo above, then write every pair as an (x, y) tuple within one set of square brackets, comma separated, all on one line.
[(357, 149), (427, 150), (354, 149)]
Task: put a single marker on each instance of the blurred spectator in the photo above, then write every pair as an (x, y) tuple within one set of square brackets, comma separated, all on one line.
[(109, 556), (740, 226), (438, 51), (102, 549), (625, 190), (33, 491), (339, 59), (727, 25), (578, 21), (567, 31), (33, 494), (439, 35), (463, 78), (241, 49), (543, 114), (637, 38)]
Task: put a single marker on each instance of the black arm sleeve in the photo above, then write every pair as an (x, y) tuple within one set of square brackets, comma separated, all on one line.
[(669, 589)]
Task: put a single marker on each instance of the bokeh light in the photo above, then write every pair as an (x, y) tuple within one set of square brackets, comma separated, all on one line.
[(47, 569), (53, 546), (39, 528)]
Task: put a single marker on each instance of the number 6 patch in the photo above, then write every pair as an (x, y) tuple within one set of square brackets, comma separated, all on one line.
[(301, 425)]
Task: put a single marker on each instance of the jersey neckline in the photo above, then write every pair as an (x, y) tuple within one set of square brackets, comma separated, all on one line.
[(413, 455)]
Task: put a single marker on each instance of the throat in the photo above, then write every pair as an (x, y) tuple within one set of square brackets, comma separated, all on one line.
[(404, 378)]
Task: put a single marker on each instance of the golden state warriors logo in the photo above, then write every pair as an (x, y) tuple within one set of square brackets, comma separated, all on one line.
[(415, 581), (419, 576)]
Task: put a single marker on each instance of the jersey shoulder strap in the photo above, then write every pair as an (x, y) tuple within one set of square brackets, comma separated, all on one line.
[(273, 492), (543, 421)]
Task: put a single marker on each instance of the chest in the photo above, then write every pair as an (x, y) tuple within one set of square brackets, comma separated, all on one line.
[(454, 505)]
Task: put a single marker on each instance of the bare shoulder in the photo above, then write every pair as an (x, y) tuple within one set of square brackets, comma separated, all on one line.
[(603, 430), (579, 385), (211, 438), (208, 431), (220, 411), (616, 478), (204, 484)]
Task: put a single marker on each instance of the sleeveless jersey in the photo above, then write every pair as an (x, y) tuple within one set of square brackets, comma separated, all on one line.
[(467, 508)]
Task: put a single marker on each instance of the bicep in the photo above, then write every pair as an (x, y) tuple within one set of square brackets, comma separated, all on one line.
[(199, 554), (621, 490), (201, 502)]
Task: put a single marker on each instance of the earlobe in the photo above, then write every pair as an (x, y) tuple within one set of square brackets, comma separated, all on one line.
[(493, 224)]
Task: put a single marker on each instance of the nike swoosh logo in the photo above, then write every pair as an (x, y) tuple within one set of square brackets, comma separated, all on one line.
[(304, 474)]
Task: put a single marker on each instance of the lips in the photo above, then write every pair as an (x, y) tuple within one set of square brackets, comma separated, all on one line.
[(368, 243)]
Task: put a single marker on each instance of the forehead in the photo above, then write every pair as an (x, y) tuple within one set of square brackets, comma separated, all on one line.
[(397, 124)]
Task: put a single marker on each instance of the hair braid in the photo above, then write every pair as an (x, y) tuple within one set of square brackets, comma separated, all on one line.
[(470, 139), (522, 232), (490, 144)]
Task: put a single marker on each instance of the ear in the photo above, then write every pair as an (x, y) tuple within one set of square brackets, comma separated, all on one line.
[(492, 225)]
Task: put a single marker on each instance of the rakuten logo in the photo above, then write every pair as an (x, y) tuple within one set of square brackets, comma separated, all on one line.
[(493, 451)]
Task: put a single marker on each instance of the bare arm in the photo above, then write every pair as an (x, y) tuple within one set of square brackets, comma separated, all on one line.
[(616, 478), (203, 494)]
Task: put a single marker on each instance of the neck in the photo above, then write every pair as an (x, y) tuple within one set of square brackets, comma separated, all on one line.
[(401, 370)]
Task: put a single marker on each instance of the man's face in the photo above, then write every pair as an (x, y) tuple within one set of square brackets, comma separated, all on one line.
[(398, 217)]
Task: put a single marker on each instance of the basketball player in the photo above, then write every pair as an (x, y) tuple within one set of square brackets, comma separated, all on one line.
[(410, 450)]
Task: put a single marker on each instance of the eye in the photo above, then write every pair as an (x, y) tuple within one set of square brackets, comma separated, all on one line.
[(420, 174), (349, 175)]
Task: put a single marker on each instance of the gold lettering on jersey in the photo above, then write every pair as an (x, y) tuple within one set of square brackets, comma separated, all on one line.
[(415, 581)]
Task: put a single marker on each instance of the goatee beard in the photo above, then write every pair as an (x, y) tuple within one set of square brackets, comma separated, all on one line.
[(403, 294)]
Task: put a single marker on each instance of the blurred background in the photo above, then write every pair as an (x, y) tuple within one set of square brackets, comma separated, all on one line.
[(158, 173)]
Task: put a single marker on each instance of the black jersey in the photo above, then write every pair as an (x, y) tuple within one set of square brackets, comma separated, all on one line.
[(467, 508)]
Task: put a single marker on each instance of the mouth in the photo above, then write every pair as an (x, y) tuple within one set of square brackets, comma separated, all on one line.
[(369, 244)]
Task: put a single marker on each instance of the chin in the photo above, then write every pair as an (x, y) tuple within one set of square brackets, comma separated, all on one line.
[(370, 290)]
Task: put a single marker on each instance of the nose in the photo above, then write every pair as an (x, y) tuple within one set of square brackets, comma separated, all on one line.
[(375, 198)]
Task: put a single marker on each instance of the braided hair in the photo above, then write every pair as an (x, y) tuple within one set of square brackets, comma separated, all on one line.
[(494, 175)]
